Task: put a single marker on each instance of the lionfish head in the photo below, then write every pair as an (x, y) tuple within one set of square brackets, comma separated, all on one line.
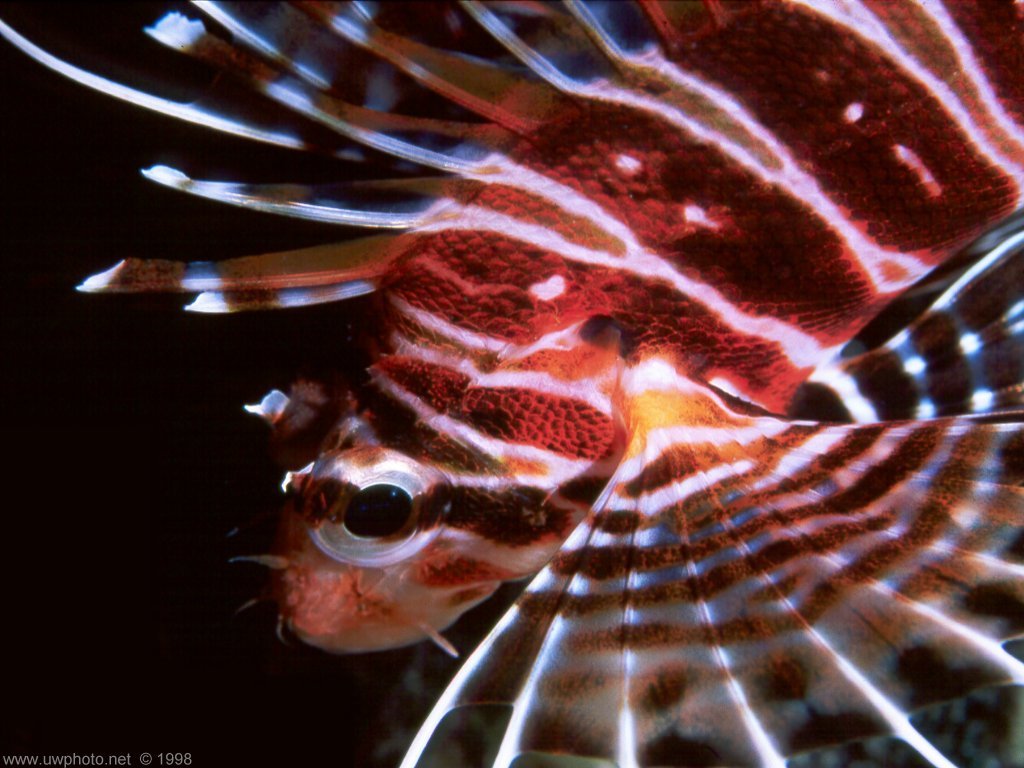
[(450, 474), (363, 541)]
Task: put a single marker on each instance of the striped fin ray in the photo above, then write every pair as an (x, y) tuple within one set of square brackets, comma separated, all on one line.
[(673, 206), (332, 88), (748, 589), (275, 280), (303, 87), (443, 149), (392, 204), (215, 116), (293, 35), (553, 44), (963, 355), (494, 92)]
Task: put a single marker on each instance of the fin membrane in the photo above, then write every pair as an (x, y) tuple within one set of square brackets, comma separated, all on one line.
[(751, 591), (964, 355)]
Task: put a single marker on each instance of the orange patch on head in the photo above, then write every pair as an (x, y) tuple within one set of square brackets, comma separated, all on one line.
[(584, 361), (659, 408)]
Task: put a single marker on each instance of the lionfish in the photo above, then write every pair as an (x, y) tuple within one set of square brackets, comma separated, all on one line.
[(625, 348)]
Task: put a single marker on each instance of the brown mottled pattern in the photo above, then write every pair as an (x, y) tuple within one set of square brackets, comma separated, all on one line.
[(855, 525)]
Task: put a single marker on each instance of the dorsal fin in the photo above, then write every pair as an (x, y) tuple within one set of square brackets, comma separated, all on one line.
[(720, 140)]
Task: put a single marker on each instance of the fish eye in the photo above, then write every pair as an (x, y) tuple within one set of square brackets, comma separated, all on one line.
[(371, 506), (377, 511)]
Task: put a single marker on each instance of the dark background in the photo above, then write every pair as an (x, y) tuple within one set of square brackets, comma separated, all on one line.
[(129, 458)]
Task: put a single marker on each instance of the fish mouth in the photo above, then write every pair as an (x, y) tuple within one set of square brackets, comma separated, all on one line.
[(354, 610), (341, 608), (346, 608)]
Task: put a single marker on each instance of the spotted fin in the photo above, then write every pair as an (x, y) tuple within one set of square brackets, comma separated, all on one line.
[(747, 589)]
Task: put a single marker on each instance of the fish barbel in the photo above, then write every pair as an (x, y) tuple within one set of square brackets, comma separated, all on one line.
[(629, 260)]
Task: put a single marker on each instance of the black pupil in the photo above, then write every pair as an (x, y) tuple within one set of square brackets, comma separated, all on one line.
[(380, 510)]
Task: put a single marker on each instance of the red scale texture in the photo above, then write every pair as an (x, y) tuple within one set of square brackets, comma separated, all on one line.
[(514, 414), (400, 428), (654, 315), (559, 424), (762, 250), (659, 318), (492, 264), (801, 91), (440, 388), (532, 209), (499, 271)]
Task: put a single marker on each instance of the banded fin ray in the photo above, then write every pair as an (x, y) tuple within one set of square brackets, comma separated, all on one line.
[(502, 96), (216, 116), (741, 602), (434, 149), (962, 356), (669, 234), (275, 280), (396, 204)]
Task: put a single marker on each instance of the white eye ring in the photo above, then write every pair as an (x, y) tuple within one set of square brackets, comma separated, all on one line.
[(348, 473)]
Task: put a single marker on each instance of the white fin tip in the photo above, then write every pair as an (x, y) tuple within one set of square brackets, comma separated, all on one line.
[(210, 302), (176, 30), (100, 282), (166, 175), (270, 407)]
